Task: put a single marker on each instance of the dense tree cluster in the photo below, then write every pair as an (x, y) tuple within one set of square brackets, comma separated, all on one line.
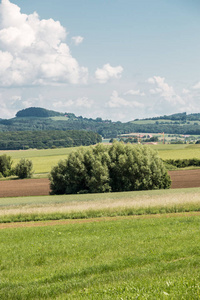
[(113, 168), (47, 139), (5, 165), (24, 168)]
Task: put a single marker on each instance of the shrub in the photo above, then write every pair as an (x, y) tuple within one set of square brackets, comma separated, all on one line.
[(103, 169), (5, 165), (24, 169)]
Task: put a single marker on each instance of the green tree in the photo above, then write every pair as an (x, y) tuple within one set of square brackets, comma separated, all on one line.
[(104, 169), (24, 168), (5, 165)]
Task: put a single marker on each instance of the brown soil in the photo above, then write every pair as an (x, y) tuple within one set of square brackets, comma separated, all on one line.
[(39, 187), (185, 178), (24, 187)]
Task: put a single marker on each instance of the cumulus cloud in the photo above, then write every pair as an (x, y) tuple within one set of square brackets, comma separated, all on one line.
[(34, 51), (116, 101), (80, 102), (164, 90), (77, 40), (197, 86), (134, 93), (108, 72)]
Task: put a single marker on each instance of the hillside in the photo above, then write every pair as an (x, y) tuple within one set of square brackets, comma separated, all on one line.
[(39, 119)]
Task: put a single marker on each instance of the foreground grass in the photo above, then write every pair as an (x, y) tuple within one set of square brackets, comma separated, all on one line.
[(155, 258), (25, 209)]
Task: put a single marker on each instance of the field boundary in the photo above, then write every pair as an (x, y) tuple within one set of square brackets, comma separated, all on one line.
[(94, 220)]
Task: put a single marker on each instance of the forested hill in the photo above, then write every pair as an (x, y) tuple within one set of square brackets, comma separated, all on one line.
[(39, 119), (37, 112)]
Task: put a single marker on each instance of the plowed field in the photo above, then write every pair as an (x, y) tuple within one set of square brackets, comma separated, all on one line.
[(39, 187)]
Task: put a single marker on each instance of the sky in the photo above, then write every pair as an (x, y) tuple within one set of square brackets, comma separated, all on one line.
[(116, 59)]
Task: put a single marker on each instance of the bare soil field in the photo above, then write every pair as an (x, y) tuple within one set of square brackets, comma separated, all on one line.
[(39, 187), (185, 178), (24, 187)]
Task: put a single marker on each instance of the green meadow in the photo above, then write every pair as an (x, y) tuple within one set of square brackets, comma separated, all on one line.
[(127, 258), (44, 160)]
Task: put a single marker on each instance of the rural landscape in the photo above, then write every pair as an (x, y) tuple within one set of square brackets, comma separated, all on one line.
[(99, 150), (112, 245)]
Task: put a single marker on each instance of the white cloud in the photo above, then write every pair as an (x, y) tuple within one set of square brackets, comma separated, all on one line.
[(108, 72), (84, 102), (116, 101), (164, 90), (197, 86), (80, 102), (134, 93), (34, 51), (77, 40), (185, 91)]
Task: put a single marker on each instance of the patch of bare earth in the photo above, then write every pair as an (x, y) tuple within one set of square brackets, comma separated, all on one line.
[(24, 187), (185, 178), (40, 187)]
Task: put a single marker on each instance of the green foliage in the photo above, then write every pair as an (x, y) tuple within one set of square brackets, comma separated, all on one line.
[(39, 119), (5, 165), (47, 139), (37, 112), (24, 169), (183, 163), (102, 169)]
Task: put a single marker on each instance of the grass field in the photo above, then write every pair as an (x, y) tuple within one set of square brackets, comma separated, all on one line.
[(44, 160), (127, 258)]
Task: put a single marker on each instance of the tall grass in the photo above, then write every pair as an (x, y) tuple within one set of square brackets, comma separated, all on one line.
[(24, 209)]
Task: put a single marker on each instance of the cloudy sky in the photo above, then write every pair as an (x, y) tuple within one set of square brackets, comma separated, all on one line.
[(115, 59)]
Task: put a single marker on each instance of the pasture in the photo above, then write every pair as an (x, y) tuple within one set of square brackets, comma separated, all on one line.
[(44, 160), (125, 258)]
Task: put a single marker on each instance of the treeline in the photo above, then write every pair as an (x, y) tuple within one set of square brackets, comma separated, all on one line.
[(183, 163), (47, 139), (183, 117), (105, 129)]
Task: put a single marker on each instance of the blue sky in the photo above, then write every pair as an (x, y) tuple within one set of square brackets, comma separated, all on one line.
[(116, 59)]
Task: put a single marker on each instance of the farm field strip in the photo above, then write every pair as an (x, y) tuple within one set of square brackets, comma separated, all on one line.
[(145, 258), (44, 160), (113, 202)]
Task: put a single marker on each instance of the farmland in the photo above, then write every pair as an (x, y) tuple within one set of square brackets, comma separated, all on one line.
[(44, 160), (131, 245)]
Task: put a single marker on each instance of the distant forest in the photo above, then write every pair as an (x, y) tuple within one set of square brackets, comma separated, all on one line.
[(47, 139)]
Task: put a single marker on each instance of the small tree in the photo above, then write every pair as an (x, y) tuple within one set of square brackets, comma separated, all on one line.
[(5, 165), (102, 169), (24, 168)]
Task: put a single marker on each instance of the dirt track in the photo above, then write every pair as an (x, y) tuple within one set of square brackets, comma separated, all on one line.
[(39, 187)]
